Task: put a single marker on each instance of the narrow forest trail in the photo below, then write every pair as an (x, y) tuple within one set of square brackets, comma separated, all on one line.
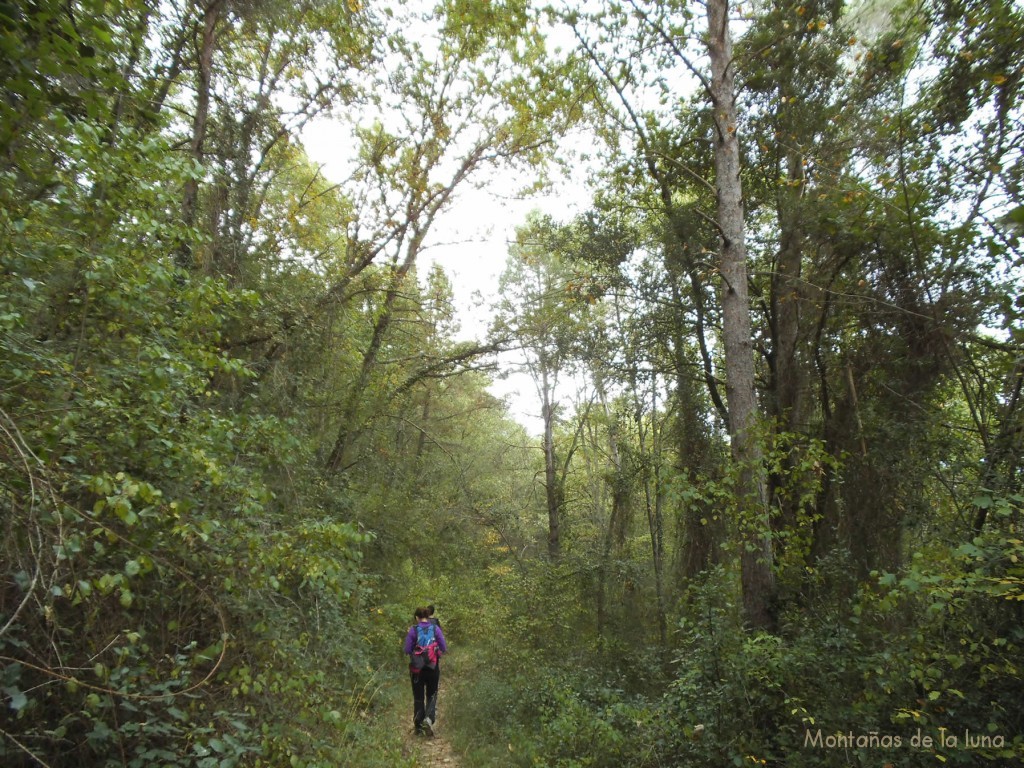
[(436, 751)]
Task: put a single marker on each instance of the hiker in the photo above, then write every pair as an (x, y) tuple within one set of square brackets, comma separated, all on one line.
[(424, 644)]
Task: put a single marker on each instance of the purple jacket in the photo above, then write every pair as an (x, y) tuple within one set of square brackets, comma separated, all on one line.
[(410, 638)]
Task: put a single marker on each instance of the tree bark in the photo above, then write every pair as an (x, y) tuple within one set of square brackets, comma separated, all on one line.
[(756, 556)]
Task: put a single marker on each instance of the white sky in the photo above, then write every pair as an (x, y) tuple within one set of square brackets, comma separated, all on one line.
[(481, 225)]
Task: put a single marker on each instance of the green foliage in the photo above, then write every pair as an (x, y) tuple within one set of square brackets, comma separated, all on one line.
[(957, 669), (160, 606), (929, 654)]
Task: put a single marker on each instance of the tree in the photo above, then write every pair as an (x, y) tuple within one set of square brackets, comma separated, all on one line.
[(737, 334), (484, 95), (542, 312), (719, 89)]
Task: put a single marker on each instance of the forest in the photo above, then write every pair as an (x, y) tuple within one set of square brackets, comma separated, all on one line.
[(770, 512)]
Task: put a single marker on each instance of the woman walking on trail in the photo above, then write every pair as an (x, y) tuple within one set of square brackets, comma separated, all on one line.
[(424, 644)]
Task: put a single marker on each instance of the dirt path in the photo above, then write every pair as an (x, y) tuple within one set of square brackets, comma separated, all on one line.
[(436, 751)]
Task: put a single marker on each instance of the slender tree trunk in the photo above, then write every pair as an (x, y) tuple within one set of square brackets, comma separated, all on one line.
[(699, 535), (421, 442), (756, 558), (788, 380), (552, 484), (350, 427), (618, 519), (654, 498), (1003, 452), (190, 203)]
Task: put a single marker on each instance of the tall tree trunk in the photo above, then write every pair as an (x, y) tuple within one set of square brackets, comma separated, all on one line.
[(787, 385), (618, 517), (654, 498), (787, 374), (190, 203), (699, 534), (552, 485), (351, 427), (756, 558)]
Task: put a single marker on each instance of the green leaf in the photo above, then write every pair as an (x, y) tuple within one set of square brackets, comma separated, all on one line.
[(1016, 215)]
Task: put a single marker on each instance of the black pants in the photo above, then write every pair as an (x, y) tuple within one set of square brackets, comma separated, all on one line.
[(424, 695)]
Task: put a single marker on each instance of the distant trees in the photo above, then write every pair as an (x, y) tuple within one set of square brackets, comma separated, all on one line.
[(852, 252), (544, 315), (879, 495)]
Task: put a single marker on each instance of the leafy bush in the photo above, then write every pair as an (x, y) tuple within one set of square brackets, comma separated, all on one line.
[(919, 667)]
